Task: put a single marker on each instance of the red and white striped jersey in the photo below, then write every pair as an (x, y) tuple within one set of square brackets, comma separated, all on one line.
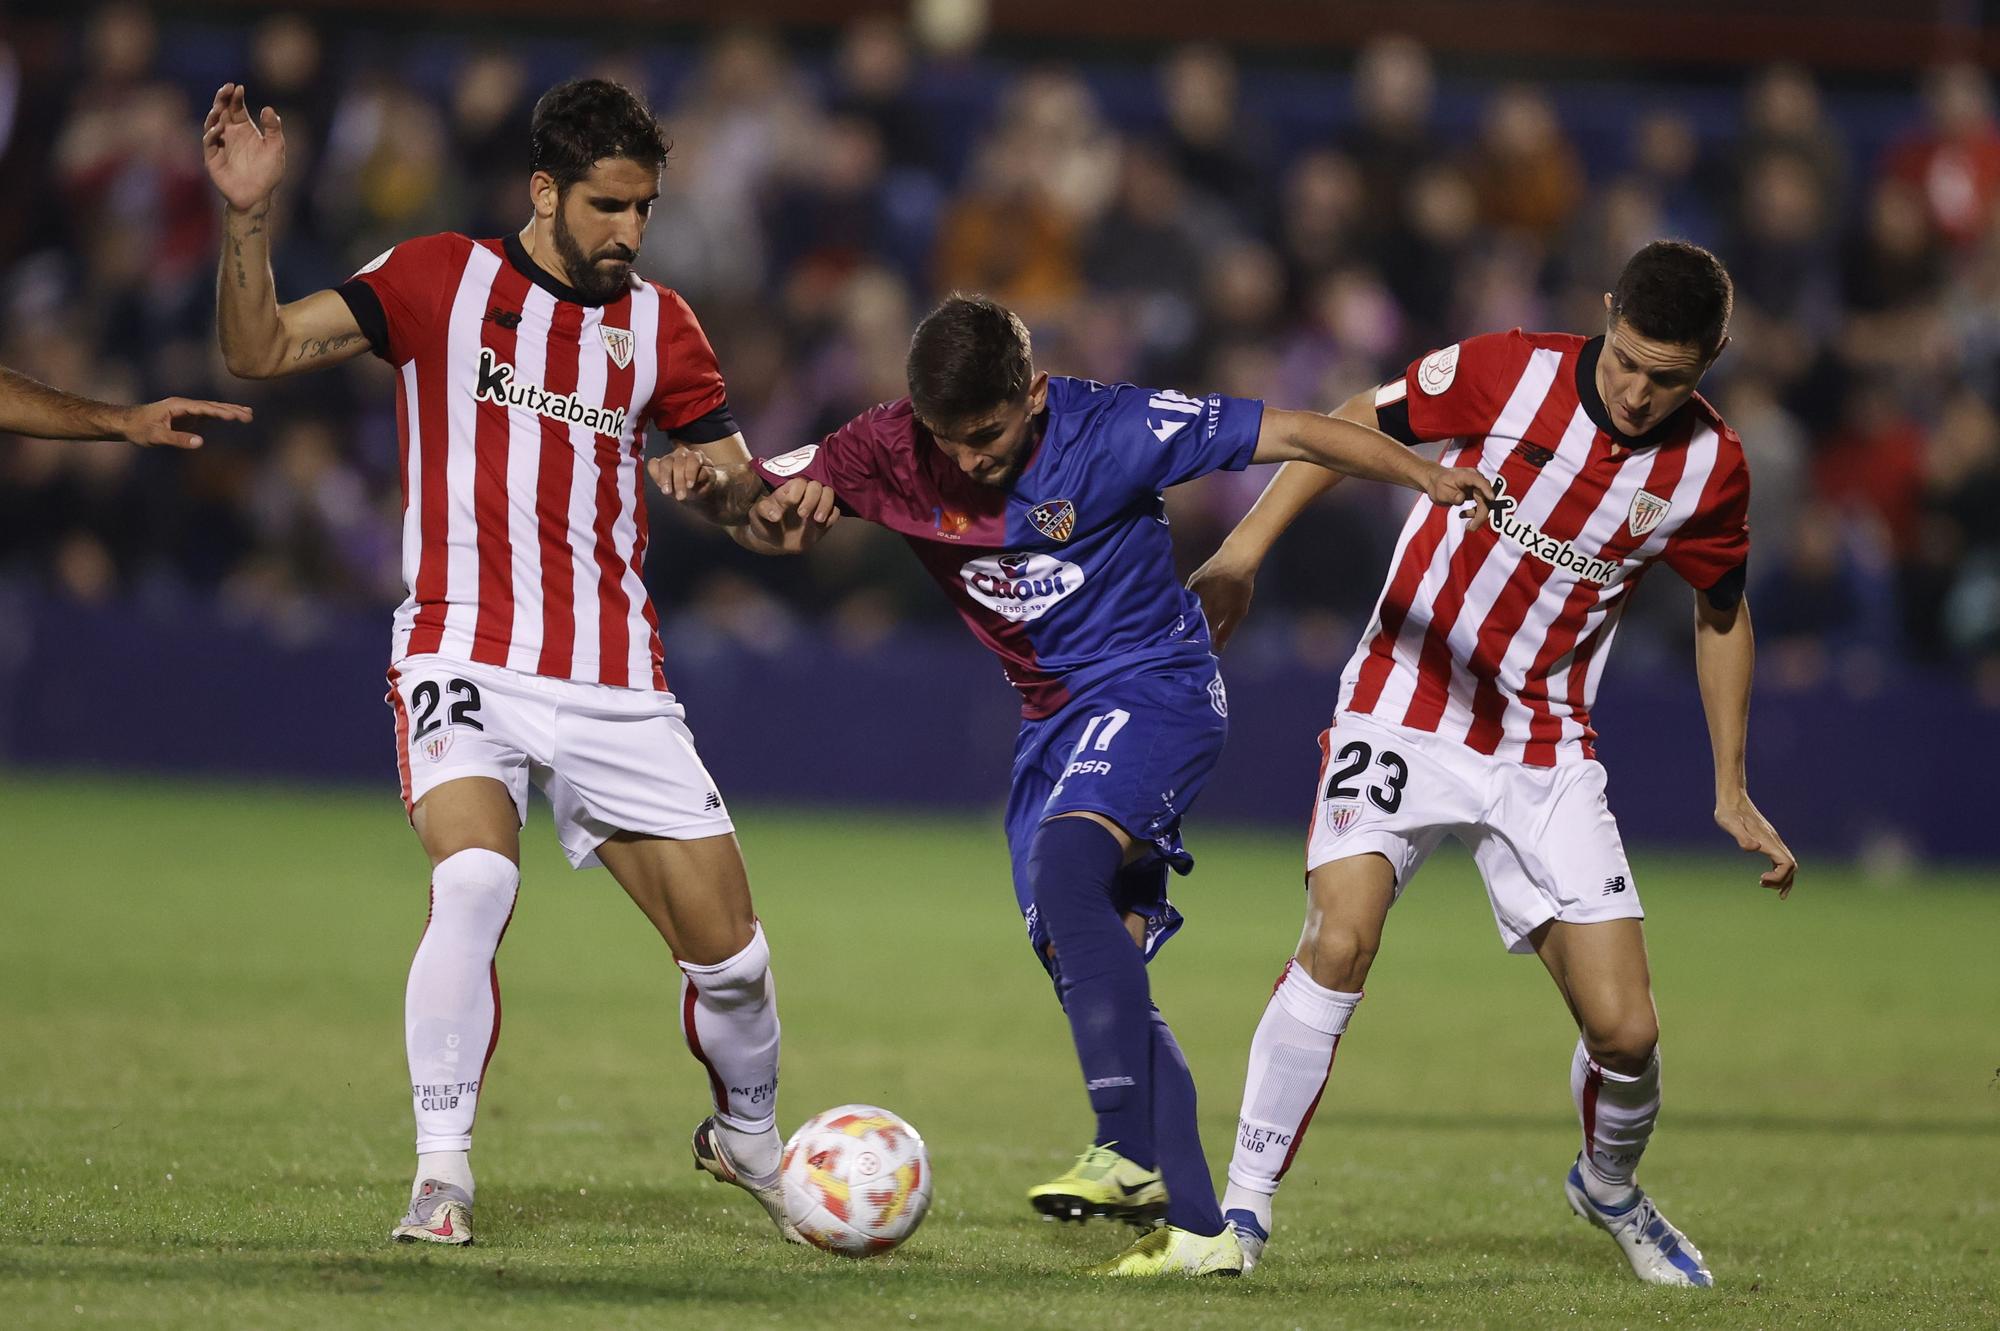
[(522, 409), (1497, 636)]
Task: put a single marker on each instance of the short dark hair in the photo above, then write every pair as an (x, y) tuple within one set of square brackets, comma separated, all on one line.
[(584, 121), (1673, 291), (969, 356)]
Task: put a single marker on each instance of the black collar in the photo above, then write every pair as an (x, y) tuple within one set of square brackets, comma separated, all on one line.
[(524, 263), (1593, 405)]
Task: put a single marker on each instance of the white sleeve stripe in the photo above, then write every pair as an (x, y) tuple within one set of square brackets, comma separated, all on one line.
[(1391, 393)]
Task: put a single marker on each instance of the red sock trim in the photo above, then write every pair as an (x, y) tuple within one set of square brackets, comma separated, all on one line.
[(1311, 1109), (716, 1089), (1593, 1082)]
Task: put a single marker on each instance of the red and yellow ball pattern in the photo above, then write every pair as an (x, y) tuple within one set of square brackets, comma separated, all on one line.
[(857, 1180)]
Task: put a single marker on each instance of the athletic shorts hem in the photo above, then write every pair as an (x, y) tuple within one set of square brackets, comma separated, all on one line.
[(1391, 846), (1521, 943)]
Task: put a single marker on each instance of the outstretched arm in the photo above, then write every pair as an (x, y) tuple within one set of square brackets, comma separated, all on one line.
[(1353, 449), (261, 339), (1325, 449), (33, 408), (1724, 654)]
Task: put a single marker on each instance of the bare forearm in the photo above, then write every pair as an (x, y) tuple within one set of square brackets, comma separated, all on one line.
[(1353, 449), (248, 326), (1725, 655), (33, 408)]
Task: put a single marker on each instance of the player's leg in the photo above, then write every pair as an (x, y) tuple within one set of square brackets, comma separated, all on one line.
[(1381, 802), (461, 748), (1074, 866), (1600, 969), (451, 1003), (1292, 1051), (633, 795), (1560, 884), (696, 893)]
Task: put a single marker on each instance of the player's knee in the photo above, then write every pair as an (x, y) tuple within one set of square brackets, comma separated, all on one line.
[(740, 981), (475, 887), (1337, 954), (1626, 1043)]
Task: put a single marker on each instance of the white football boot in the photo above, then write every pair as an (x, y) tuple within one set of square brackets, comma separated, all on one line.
[(713, 1157), (439, 1213), (1659, 1253)]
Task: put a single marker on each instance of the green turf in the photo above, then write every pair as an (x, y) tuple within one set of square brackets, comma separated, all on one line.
[(203, 1123)]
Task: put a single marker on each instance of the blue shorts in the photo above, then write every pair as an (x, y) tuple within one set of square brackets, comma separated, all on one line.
[(1136, 749)]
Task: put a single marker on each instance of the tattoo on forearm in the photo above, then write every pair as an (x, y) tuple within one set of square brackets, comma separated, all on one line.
[(236, 240), (315, 347)]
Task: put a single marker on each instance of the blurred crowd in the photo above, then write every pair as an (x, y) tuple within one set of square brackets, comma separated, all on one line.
[(1199, 222)]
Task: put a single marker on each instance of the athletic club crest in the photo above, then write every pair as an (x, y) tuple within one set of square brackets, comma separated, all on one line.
[(1340, 817), (1647, 510), (437, 746), (1055, 519), (618, 342)]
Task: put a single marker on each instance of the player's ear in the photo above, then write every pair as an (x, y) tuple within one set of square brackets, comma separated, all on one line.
[(1720, 347), (1038, 392), (544, 194)]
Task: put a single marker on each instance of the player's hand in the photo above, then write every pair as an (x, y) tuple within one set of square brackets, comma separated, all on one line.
[(684, 473), (793, 517), (1224, 585), (1753, 832), (1463, 485), (245, 157), (152, 424)]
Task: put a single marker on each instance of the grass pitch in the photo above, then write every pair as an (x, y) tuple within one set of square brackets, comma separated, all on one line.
[(204, 1123)]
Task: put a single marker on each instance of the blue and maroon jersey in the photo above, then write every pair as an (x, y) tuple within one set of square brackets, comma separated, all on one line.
[(1069, 576)]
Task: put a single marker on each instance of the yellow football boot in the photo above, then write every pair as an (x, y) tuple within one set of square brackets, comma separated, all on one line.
[(1103, 1183)]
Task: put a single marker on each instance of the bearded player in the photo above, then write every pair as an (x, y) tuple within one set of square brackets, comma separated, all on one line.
[(1035, 503), (1466, 709), (528, 368)]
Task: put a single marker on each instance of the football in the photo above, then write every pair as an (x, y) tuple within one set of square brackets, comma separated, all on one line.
[(857, 1180)]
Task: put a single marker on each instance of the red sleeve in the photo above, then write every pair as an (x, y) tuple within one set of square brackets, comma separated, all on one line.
[(1456, 390), (690, 384), (402, 298), (847, 460), (1716, 541)]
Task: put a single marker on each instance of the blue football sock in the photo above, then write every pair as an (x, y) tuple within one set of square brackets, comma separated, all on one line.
[(1074, 867), (1191, 1203)]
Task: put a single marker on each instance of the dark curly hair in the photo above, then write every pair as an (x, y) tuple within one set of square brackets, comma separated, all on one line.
[(1672, 291), (584, 121)]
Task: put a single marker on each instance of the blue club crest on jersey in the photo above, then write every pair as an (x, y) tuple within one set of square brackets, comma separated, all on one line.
[(1054, 518)]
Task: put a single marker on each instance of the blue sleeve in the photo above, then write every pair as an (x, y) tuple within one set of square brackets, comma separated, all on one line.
[(1167, 437)]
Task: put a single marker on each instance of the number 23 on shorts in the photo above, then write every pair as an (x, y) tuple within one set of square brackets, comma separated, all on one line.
[(1345, 782)]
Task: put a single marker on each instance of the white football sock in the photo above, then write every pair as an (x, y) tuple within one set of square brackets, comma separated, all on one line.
[(451, 1009), (729, 1012), (1291, 1057), (453, 1167), (1617, 1112)]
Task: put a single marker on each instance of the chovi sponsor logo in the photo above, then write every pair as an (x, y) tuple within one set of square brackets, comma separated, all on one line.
[(1020, 587)]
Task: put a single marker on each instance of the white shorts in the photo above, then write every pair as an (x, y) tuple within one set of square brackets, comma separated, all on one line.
[(1543, 837), (609, 759)]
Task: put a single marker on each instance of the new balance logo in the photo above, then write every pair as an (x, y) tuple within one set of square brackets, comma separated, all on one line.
[(508, 319), (1613, 886), (711, 803), (1534, 454)]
